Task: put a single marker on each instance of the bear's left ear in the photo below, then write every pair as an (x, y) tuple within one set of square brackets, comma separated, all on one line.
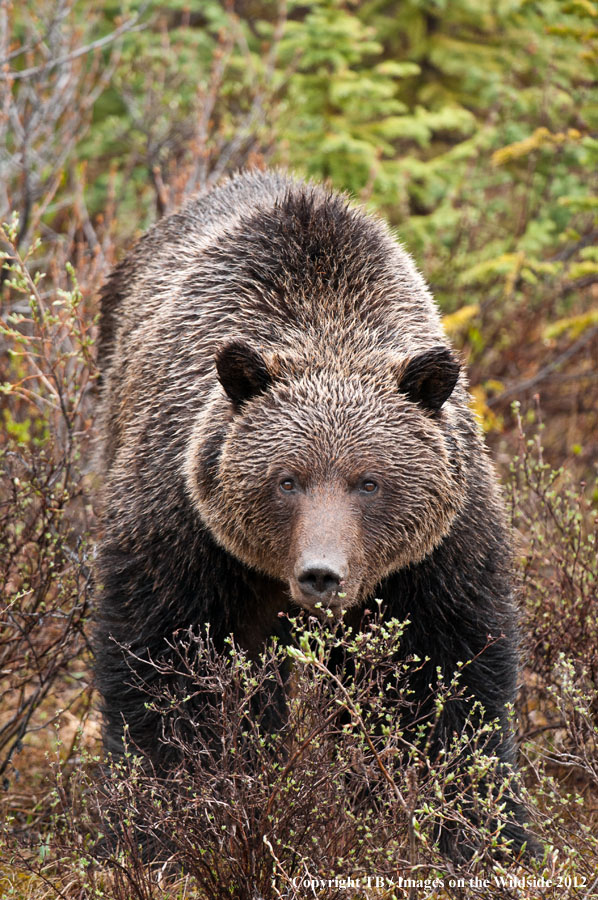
[(430, 377), (242, 371)]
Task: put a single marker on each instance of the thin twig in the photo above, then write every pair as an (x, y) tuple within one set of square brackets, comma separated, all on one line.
[(127, 27), (528, 383)]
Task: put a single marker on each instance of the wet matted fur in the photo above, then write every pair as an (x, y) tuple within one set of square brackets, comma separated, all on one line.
[(284, 423)]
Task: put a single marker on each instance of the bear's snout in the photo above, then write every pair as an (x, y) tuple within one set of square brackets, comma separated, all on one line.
[(323, 564), (318, 580)]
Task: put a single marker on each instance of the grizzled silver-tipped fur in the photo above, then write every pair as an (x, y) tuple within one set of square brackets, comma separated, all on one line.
[(285, 424)]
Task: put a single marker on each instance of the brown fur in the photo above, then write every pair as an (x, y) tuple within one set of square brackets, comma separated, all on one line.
[(269, 354), (338, 343)]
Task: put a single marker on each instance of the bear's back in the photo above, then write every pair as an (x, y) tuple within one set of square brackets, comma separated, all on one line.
[(135, 288), (289, 267), (264, 249)]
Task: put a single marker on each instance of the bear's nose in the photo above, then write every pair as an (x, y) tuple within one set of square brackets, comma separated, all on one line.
[(319, 581)]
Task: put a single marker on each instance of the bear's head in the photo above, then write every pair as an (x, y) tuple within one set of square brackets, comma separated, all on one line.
[(326, 479)]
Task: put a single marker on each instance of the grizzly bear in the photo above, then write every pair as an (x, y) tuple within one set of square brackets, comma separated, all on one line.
[(285, 427)]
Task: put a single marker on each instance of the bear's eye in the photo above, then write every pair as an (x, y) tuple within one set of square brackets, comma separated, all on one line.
[(368, 486), (287, 485)]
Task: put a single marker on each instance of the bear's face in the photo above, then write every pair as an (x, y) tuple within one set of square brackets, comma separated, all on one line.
[(327, 482)]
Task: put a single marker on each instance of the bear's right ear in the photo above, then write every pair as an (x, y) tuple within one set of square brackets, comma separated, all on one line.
[(242, 371), (429, 378)]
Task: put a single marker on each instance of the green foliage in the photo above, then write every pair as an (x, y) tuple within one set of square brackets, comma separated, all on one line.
[(341, 114), (155, 118)]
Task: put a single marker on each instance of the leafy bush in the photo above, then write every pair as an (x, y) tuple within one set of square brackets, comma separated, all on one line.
[(339, 790), (44, 571)]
